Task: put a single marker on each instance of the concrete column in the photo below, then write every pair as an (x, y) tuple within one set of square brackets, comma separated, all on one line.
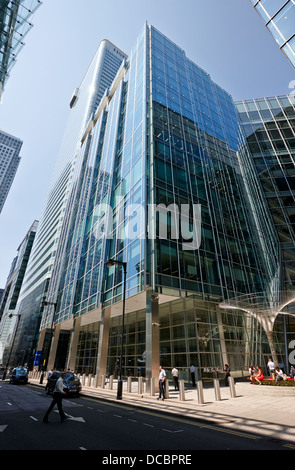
[(152, 335), (74, 344), (53, 349), (103, 344), (221, 336)]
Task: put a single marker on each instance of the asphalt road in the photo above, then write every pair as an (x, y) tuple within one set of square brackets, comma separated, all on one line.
[(112, 428)]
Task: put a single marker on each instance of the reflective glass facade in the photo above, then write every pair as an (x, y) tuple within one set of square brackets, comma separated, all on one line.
[(163, 133), (11, 294), (269, 127), (15, 23), (279, 17), (83, 104), (10, 148)]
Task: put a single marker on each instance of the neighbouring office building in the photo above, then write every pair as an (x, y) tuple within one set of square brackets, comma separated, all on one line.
[(15, 23), (159, 184), (8, 319), (279, 18), (10, 148), (269, 128), (83, 104)]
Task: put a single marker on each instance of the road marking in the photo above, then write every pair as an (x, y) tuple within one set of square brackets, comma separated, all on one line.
[(82, 448), (118, 416), (183, 421), (149, 425), (32, 417), (133, 420), (2, 428), (9, 403), (291, 446)]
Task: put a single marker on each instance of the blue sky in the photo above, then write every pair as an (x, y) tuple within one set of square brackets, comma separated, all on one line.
[(226, 38)]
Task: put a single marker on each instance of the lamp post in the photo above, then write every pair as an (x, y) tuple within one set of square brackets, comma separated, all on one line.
[(110, 263)]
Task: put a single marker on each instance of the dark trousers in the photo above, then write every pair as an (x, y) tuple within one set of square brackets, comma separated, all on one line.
[(57, 400), (161, 389), (193, 379), (175, 380)]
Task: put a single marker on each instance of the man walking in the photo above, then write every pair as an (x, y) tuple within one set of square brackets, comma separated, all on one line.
[(272, 368), (175, 378), (58, 394), (162, 377)]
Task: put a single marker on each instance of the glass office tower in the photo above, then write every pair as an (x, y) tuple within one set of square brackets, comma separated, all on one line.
[(10, 148), (279, 18), (83, 104), (15, 23), (159, 166), (14, 282)]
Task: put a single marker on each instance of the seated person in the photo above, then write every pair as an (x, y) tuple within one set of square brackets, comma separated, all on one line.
[(258, 377)]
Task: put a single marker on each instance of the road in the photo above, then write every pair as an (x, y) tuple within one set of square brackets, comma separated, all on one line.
[(109, 427)]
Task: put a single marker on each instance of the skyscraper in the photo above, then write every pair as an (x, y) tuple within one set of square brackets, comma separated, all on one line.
[(83, 104), (12, 290), (279, 18), (15, 23), (160, 187), (10, 148)]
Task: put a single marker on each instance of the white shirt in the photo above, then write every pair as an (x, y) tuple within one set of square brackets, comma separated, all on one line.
[(271, 365), (59, 386), (175, 372), (162, 374)]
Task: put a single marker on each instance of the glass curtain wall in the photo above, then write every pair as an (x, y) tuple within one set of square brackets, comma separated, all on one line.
[(165, 134), (279, 17)]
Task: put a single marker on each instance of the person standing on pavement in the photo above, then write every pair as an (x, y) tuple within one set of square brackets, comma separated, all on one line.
[(227, 374), (193, 375), (175, 378), (162, 378), (58, 394), (271, 367)]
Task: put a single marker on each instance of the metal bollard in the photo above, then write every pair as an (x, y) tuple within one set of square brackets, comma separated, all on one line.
[(181, 390), (217, 389), (152, 390), (96, 380), (129, 382), (111, 382), (140, 387), (103, 381), (166, 388), (232, 387), (200, 392), (83, 379)]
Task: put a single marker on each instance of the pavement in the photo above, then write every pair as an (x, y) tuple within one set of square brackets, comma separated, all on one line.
[(265, 410)]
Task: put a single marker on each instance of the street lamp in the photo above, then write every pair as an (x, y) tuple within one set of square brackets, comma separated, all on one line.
[(109, 264)]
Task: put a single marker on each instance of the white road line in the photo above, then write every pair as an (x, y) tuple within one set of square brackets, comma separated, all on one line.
[(32, 417)]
